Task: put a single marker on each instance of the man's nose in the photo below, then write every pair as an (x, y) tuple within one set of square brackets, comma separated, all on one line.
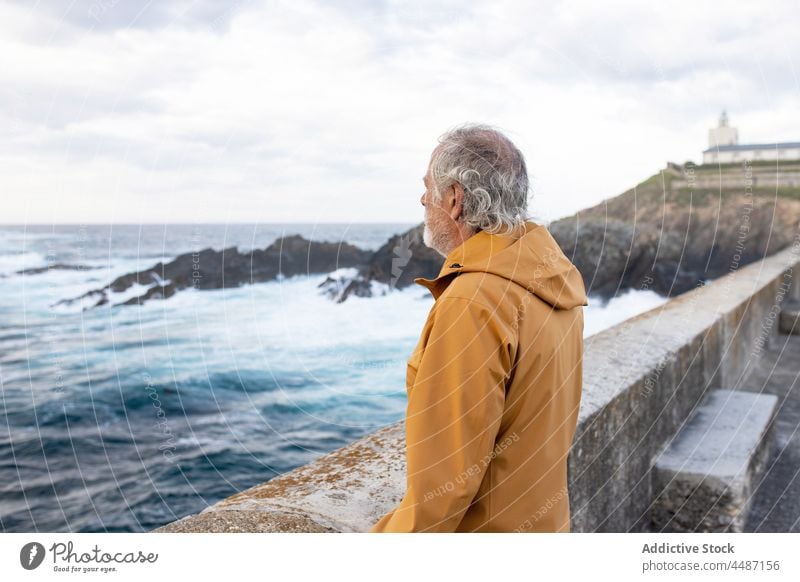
[(422, 199)]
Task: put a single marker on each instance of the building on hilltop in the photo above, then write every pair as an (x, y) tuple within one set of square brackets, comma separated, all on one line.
[(724, 147)]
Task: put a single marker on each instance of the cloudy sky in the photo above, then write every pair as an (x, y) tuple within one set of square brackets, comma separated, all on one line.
[(136, 111)]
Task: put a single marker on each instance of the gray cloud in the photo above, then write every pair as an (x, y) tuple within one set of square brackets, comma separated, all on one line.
[(110, 15), (293, 102), (42, 106)]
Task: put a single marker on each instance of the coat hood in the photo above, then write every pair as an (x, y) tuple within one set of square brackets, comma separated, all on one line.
[(533, 261)]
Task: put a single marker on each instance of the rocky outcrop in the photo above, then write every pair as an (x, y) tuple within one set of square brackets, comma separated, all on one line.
[(55, 267), (228, 268), (394, 265)]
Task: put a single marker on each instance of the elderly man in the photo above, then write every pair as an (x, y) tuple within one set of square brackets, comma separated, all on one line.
[(494, 383)]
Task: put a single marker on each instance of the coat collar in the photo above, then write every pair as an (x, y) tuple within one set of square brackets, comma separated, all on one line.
[(480, 245)]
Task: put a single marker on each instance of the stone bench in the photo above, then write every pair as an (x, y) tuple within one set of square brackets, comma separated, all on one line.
[(790, 318), (703, 481)]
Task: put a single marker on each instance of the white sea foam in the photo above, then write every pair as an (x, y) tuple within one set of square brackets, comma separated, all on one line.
[(633, 302), (135, 290), (159, 280), (343, 273), (283, 331), (15, 261), (44, 290)]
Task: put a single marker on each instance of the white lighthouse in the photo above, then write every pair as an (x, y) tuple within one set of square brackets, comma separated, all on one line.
[(724, 147), (723, 134)]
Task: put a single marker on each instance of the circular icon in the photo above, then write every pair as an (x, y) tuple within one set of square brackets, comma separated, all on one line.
[(31, 555)]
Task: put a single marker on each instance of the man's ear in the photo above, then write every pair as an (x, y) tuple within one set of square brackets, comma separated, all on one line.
[(457, 204)]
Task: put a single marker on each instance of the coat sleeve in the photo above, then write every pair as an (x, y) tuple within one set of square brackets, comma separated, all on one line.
[(454, 410)]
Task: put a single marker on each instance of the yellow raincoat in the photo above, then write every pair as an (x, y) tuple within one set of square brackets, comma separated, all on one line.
[(494, 387)]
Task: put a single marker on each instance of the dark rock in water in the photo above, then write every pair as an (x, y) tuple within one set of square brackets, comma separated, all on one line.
[(403, 258), (394, 265), (211, 269), (154, 292), (335, 284), (339, 287), (55, 266)]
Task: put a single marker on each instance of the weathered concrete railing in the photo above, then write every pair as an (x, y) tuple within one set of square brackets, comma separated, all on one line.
[(758, 176), (642, 380)]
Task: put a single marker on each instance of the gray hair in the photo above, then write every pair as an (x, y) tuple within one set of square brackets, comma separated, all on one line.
[(491, 171)]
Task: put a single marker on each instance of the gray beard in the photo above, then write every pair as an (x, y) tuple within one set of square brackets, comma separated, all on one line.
[(432, 241)]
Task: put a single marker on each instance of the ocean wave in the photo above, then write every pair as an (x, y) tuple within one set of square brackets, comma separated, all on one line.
[(10, 263)]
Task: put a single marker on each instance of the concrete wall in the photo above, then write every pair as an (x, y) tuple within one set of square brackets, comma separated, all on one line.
[(732, 156), (741, 178), (642, 379)]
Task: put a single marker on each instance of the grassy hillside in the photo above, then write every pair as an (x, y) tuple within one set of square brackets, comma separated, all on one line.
[(666, 188), (683, 225)]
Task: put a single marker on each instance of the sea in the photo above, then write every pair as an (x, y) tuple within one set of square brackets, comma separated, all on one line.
[(124, 418)]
